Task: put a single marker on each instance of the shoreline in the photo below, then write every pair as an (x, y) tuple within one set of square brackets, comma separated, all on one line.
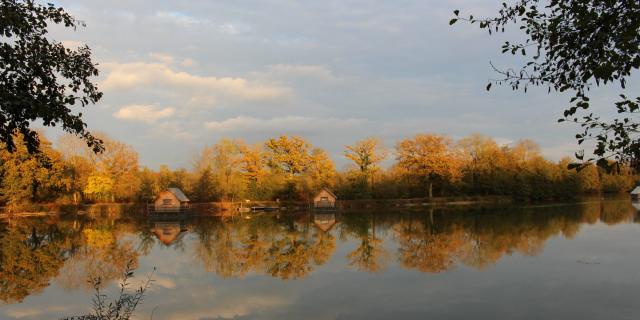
[(222, 208)]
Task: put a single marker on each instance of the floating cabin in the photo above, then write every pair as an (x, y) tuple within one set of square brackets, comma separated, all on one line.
[(635, 194), (325, 199), (172, 200)]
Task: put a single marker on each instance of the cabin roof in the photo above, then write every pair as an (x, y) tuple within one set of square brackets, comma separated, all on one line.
[(179, 194), (636, 190), (328, 191)]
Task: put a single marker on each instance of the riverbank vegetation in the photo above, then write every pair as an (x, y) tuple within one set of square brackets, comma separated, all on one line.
[(291, 168)]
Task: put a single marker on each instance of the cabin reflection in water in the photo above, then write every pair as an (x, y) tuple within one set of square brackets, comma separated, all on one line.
[(324, 221), (168, 232)]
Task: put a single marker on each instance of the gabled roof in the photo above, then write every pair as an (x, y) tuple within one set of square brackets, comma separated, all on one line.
[(179, 194), (329, 192), (636, 190)]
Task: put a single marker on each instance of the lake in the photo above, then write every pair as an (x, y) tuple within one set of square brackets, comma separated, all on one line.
[(572, 261)]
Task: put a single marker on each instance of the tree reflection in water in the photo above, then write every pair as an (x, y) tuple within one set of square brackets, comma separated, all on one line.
[(35, 252)]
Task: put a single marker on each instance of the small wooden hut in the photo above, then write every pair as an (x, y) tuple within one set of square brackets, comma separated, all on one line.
[(325, 199), (171, 200), (635, 193)]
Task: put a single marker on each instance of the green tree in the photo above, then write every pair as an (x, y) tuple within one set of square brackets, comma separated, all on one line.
[(39, 77), (572, 46)]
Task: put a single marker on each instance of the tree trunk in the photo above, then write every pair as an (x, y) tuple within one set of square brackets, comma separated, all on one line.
[(430, 189)]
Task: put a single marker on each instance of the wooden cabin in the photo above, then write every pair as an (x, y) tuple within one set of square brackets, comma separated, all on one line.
[(325, 199), (635, 194), (171, 200)]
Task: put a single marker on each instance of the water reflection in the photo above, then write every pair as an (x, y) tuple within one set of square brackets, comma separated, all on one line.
[(68, 250)]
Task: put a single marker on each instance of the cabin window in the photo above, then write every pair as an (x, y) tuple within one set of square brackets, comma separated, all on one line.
[(166, 202), (324, 199)]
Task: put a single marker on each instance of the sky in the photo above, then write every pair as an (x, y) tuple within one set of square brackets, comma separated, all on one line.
[(179, 75)]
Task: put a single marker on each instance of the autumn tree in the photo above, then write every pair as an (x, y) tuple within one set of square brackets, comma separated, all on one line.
[(366, 154), (149, 186), (27, 177), (289, 155), (481, 161), (225, 160), (321, 169), (99, 187), (205, 186), (252, 166), (118, 161), (431, 157)]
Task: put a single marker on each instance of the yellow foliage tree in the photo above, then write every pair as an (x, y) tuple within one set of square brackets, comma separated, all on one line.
[(288, 154), (99, 187), (366, 154), (321, 168), (431, 157)]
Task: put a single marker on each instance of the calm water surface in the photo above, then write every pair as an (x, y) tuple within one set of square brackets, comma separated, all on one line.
[(578, 261)]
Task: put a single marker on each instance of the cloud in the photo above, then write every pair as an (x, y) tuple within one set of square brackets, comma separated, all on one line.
[(188, 62), (296, 124), (307, 71), (162, 57), (72, 44), (233, 28), (143, 113), (179, 18), (141, 75)]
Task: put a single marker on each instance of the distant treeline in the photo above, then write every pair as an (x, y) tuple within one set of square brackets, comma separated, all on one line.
[(290, 168)]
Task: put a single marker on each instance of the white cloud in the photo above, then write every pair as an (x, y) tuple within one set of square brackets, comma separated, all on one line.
[(179, 18), (123, 76), (162, 57), (308, 71), (233, 28), (72, 44), (143, 113), (282, 124), (188, 62)]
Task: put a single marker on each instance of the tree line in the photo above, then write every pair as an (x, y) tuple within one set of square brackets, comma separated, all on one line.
[(291, 168)]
